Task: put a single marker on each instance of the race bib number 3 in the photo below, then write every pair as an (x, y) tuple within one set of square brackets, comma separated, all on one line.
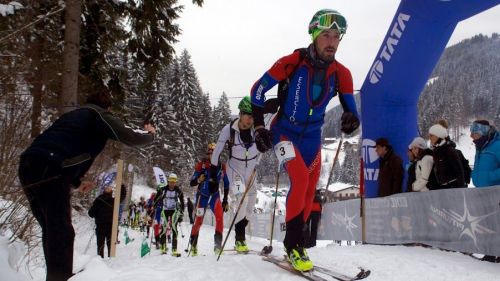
[(284, 152)]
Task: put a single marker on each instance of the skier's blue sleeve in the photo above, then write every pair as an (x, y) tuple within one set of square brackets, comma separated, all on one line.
[(194, 178), (259, 89), (226, 181), (350, 103)]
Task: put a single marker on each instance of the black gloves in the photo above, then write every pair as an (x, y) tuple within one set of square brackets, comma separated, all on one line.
[(349, 122), (263, 139), (225, 205)]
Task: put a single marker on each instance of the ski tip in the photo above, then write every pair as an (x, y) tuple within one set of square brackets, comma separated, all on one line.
[(362, 274)]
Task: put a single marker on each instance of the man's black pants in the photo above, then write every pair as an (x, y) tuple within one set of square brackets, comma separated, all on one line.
[(49, 198), (103, 234)]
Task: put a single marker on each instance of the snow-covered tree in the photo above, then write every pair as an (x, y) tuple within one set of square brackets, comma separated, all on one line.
[(222, 113), (350, 167)]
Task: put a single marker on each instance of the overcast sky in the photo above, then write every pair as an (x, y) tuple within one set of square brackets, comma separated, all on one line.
[(233, 42)]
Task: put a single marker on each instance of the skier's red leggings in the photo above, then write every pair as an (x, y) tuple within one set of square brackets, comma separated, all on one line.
[(303, 182), (216, 207)]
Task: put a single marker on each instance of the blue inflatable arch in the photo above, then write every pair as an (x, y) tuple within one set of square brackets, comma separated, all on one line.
[(411, 48)]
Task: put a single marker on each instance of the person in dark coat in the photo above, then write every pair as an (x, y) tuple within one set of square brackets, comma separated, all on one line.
[(410, 169), (390, 179), (447, 163), (190, 208), (102, 212), (57, 160)]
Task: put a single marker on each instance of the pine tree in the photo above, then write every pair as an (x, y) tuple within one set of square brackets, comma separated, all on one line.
[(222, 112), (194, 102), (206, 122), (350, 166)]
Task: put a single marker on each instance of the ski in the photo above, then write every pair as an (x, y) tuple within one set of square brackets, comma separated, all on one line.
[(362, 274), (312, 275), (284, 264), (234, 252)]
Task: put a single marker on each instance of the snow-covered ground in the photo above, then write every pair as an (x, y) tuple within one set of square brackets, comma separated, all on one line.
[(385, 262)]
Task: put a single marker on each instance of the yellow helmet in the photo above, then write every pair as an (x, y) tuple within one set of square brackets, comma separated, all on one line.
[(172, 178), (211, 146)]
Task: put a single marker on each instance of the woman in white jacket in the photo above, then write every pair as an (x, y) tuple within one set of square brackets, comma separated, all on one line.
[(243, 155), (423, 170)]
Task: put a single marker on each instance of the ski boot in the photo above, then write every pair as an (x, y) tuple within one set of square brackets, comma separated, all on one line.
[(163, 249), (241, 247), (217, 250), (299, 259), (175, 253), (194, 250), (217, 243)]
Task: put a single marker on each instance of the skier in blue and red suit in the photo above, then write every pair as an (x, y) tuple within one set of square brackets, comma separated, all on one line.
[(207, 195), (314, 78)]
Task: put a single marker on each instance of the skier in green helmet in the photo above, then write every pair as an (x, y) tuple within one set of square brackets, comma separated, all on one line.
[(239, 135), (309, 78)]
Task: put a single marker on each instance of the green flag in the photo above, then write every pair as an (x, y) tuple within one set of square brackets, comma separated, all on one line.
[(144, 248), (127, 239)]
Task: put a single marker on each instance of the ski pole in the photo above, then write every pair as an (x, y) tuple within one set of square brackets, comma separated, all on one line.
[(250, 185), (268, 249), (334, 162)]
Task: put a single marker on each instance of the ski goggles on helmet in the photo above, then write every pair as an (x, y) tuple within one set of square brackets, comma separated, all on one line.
[(329, 21)]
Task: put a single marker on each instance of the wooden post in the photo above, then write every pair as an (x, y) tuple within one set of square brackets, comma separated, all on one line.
[(362, 202), (116, 207)]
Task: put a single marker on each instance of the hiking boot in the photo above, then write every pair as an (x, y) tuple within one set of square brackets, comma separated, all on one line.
[(299, 259), (175, 253), (241, 246)]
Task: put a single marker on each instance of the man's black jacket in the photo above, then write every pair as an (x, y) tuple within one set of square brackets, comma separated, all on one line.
[(74, 140)]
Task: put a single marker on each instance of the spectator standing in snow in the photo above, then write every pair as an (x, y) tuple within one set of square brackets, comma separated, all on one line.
[(102, 212), (57, 160), (425, 179), (487, 160), (447, 163), (410, 169), (390, 179)]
